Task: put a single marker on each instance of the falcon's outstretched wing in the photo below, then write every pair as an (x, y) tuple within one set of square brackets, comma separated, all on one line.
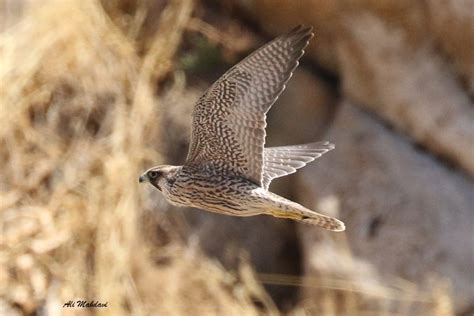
[(228, 129), (281, 161)]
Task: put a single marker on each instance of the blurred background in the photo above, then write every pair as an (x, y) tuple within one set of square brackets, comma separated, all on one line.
[(94, 92)]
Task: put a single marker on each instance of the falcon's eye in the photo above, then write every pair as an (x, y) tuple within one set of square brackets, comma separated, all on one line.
[(153, 174)]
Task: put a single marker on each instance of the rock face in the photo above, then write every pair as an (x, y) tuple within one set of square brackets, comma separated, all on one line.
[(413, 89), (406, 214), (303, 111), (410, 62), (452, 24)]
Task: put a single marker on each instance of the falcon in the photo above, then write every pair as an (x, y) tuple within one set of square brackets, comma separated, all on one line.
[(228, 170)]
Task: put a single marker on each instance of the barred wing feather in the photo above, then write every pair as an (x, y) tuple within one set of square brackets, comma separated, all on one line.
[(281, 161), (229, 120)]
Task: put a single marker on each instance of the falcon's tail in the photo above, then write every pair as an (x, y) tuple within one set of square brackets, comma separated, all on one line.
[(326, 222), (288, 209), (310, 217)]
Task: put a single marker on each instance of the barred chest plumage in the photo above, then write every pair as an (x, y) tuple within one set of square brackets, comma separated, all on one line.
[(213, 191)]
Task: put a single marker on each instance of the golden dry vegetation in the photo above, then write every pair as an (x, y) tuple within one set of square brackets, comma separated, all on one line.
[(78, 113)]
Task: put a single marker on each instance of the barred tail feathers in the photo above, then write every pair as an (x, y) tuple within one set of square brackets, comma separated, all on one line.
[(304, 215), (326, 222), (280, 207)]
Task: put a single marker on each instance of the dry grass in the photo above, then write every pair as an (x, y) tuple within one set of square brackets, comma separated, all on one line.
[(77, 125), (78, 114)]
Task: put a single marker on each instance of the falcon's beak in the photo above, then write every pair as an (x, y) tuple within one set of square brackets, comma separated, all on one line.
[(142, 178)]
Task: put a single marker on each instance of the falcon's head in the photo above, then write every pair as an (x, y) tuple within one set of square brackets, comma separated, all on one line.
[(161, 177)]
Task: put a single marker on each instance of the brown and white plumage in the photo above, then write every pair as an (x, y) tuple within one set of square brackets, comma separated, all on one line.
[(229, 119), (228, 170), (282, 161)]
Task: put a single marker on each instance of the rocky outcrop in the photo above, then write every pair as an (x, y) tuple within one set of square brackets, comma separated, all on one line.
[(407, 216), (398, 59), (452, 24), (406, 211), (413, 89)]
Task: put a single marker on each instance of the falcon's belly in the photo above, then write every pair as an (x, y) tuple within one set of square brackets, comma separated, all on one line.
[(222, 194)]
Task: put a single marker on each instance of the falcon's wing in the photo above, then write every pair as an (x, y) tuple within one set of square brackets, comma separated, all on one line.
[(281, 161), (228, 129)]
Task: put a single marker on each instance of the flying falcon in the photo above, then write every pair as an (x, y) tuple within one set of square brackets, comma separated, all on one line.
[(227, 169)]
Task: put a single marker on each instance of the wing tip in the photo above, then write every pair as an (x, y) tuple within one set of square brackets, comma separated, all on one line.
[(302, 29), (319, 145), (300, 36)]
